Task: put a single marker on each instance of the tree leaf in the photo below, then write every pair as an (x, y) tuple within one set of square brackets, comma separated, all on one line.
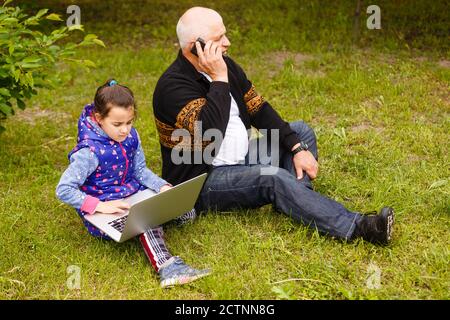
[(10, 20), (3, 73), (20, 104), (16, 74), (32, 21), (32, 59), (5, 109), (6, 2), (90, 37), (99, 42), (54, 17), (5, 92), (30, 65), (41, 13), (76, 27)]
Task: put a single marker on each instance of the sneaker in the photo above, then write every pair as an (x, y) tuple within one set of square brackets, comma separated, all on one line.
[(176, 272), (186, 218), (376, 228)]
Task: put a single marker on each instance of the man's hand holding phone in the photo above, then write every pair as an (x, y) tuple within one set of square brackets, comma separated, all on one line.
[(211, 61)]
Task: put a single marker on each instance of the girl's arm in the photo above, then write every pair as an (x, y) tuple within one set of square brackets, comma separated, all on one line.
[(82, 164), (144, 175)]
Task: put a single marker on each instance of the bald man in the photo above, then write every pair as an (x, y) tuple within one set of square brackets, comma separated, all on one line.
[(204, 108)]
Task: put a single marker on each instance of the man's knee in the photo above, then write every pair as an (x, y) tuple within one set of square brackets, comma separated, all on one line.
[(302, 128), (275, 176)]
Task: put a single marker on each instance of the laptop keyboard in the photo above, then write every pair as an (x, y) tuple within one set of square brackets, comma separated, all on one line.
[(119, 223)]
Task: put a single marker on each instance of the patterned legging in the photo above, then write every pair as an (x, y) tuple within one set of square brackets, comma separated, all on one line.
[(154, 245)]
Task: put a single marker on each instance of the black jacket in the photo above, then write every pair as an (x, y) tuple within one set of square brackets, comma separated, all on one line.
[(183, 96)]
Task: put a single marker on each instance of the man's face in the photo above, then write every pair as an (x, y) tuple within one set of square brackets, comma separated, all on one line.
[(218, 35), (214, 30)]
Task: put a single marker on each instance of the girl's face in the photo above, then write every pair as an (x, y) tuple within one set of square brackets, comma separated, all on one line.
[(118, 123)]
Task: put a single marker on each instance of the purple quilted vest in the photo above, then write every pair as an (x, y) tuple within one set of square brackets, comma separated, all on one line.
[(112, 179)]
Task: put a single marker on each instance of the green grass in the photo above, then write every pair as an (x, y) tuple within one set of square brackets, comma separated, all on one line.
[(381, 114)]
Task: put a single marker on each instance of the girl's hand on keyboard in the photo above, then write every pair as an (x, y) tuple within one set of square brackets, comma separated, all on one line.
[(165, 187), (115, 206)]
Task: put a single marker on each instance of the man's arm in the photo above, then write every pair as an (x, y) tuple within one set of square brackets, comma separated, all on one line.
[(263, 116), (179, 102)]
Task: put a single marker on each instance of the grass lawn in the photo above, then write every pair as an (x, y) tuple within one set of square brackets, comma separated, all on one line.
[(381, 113)]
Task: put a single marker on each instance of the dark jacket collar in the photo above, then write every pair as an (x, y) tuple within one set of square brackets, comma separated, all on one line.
[(187, 67)]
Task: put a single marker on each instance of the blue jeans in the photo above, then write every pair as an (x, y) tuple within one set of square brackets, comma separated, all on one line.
[(249, 186)]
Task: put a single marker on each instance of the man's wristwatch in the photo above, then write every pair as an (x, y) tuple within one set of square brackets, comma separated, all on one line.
[(302, 147)]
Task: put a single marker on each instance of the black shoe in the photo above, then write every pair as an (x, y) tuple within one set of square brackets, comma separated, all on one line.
[(376, 228)]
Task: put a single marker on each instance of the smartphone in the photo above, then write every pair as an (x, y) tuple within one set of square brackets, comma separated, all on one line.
[(194, 48)]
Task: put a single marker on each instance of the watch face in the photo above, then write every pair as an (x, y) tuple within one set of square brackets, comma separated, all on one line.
[(304, 145)]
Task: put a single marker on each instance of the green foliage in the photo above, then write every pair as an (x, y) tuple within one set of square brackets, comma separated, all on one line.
[(28, 56)]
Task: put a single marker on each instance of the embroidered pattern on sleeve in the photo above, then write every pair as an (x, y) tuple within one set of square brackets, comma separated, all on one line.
[(253, 101), (177, 141), (187, 117)]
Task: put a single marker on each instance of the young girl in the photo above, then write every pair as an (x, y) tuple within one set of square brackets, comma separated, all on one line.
[(107, 165)]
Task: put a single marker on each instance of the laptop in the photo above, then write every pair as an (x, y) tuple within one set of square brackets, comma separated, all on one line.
[(149, 209)]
